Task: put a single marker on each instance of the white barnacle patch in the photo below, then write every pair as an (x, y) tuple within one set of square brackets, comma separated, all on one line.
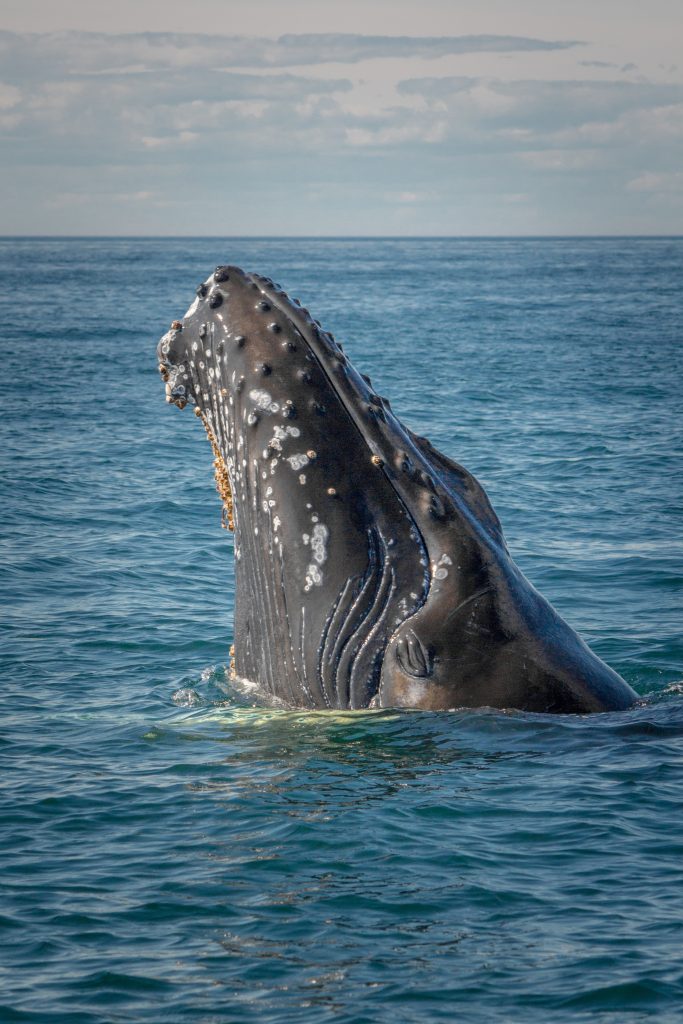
[(302, 478), (439, 570), (276, 523), (282, 433), (319, 542), (314, 577), (263, 400), (298, 461)]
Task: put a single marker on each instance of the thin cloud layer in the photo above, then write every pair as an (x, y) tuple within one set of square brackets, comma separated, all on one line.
[(35, 54)]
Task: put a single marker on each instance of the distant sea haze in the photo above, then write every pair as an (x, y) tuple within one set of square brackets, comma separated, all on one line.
[(173, 851)]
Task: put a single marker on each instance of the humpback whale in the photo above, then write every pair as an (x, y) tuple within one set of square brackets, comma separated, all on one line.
[(370, 568)]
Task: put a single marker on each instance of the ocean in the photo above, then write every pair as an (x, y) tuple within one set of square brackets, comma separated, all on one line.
[(170, 851)]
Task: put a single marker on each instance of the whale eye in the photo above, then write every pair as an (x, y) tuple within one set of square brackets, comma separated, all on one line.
[(215, 300)]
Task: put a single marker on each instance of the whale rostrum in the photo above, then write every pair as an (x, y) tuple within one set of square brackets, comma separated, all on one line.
[(370, 569)]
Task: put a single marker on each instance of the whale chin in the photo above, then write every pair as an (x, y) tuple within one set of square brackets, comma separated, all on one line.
[(370, 568)]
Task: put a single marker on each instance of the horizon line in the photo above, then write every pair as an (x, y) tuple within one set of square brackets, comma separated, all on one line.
[(332, 237)]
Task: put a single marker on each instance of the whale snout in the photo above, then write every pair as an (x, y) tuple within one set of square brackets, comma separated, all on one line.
[(187, 353), (174, 366)]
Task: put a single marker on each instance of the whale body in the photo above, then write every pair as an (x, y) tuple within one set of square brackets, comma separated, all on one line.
[(371, 569)]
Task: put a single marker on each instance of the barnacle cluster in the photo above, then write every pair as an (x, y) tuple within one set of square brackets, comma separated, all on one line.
[(221, 475)]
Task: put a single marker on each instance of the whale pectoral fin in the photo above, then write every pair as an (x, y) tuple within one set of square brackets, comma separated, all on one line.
[(456, 478)]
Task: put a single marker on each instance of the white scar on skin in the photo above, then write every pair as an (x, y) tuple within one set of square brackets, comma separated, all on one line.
[(193, 308)]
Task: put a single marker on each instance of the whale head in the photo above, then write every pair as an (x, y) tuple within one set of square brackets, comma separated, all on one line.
[(328, 560)]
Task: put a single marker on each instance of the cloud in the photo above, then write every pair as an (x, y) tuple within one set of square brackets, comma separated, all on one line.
[(652, 181), (561, 159), (197, 125), (30, 55), (409, 198), (95, 119), (538, 105)]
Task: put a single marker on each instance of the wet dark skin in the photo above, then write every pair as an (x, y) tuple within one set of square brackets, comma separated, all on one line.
[(371, 570)]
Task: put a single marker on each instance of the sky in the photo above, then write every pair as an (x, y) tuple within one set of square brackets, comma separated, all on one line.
[(313, 117)]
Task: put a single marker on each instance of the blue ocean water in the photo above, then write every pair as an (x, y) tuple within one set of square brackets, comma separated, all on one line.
[(170, 852)]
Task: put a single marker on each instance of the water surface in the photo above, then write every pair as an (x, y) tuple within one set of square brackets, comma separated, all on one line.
[(173, 853)]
